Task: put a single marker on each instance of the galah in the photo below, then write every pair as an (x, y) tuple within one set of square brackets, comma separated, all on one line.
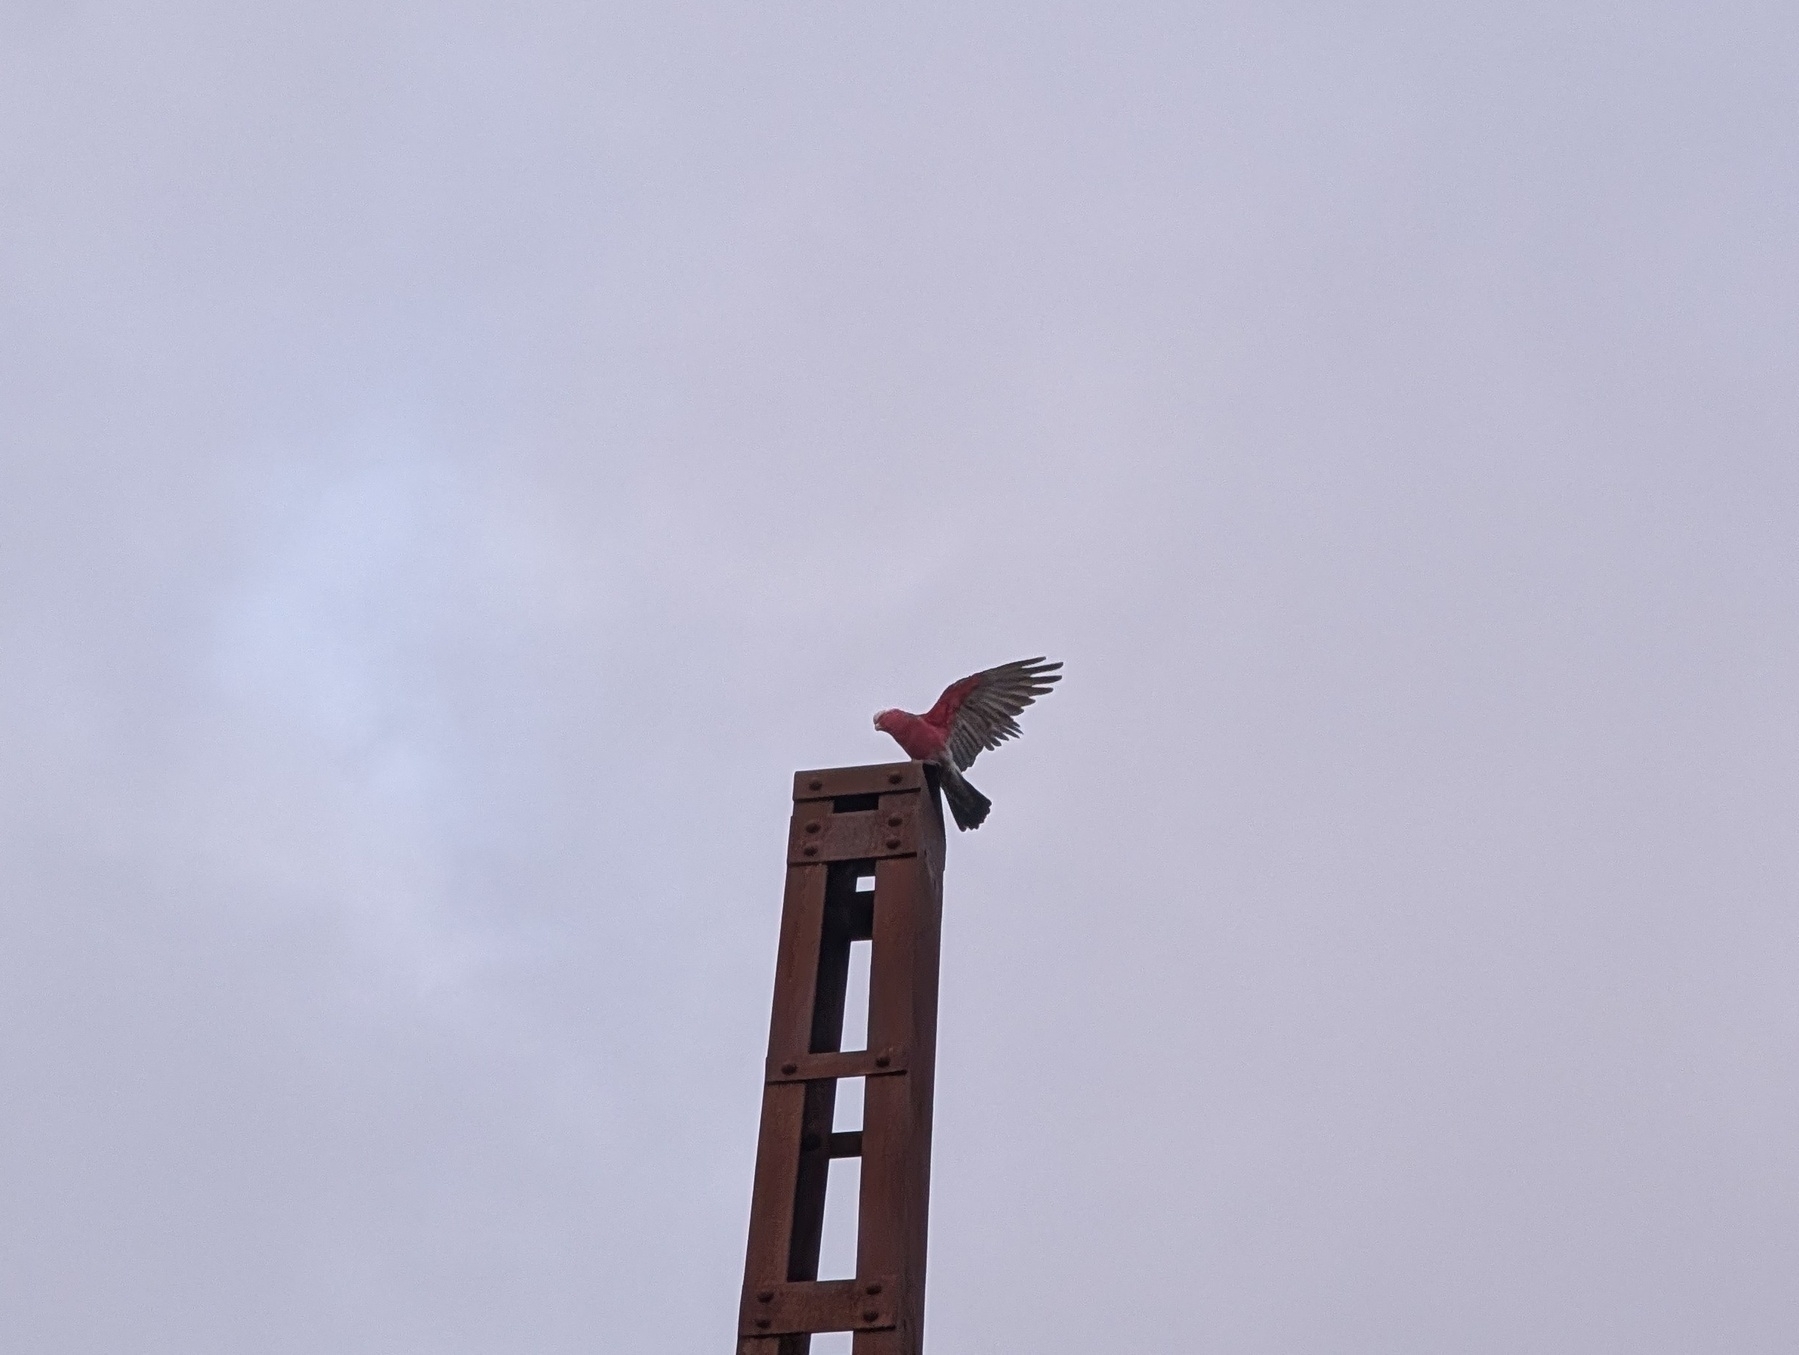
[(973, 715)]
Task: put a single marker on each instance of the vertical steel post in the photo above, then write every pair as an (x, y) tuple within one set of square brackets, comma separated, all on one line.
[(849, 824)]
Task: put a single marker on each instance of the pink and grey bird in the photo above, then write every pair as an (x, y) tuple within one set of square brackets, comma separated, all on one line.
[(973, 715)]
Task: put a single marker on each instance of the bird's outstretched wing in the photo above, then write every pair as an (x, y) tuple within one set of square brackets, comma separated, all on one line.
[(980, 711)]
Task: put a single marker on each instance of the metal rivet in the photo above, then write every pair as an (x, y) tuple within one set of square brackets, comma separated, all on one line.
[(812, 827), (892, 842), (815, 785), (881, 1061), (870, 1314), (765, 1296), (894, 820), (790, 1067), (872, 1289), (810, 851), (762, 1322)]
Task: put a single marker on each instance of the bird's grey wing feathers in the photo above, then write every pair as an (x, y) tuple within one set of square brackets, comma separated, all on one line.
[(987, 715)]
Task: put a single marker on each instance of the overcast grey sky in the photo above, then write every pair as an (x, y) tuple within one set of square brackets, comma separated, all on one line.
[(454, 458)]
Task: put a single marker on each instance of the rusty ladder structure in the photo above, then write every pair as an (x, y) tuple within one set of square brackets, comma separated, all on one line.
[(849, 823)]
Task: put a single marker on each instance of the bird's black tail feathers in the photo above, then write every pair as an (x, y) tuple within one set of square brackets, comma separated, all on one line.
[(966, 804)]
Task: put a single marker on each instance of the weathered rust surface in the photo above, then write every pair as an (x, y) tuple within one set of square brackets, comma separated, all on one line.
[(859, 1063), (846, 1144), (817, 834), (884, 822), (861, 1304), (834, 782)]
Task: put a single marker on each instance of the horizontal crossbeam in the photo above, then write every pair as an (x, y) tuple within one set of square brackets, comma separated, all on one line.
[(865, 835), (827, 1067), (836, 782), (845, 1144), (821, 1305)]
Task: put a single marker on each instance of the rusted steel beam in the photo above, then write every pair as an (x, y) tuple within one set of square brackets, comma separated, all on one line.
[(849, 824), (857, 1063), (825, 1305), (818, 834), (846, 1144), (837, 781)]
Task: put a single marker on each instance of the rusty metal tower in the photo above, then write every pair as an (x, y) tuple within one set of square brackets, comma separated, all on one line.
[(850, 825)]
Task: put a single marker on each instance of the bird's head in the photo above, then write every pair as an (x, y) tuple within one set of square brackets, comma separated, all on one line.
[(881, 721)]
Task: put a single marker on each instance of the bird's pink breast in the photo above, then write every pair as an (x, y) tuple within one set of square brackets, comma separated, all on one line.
[(920, 740)]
